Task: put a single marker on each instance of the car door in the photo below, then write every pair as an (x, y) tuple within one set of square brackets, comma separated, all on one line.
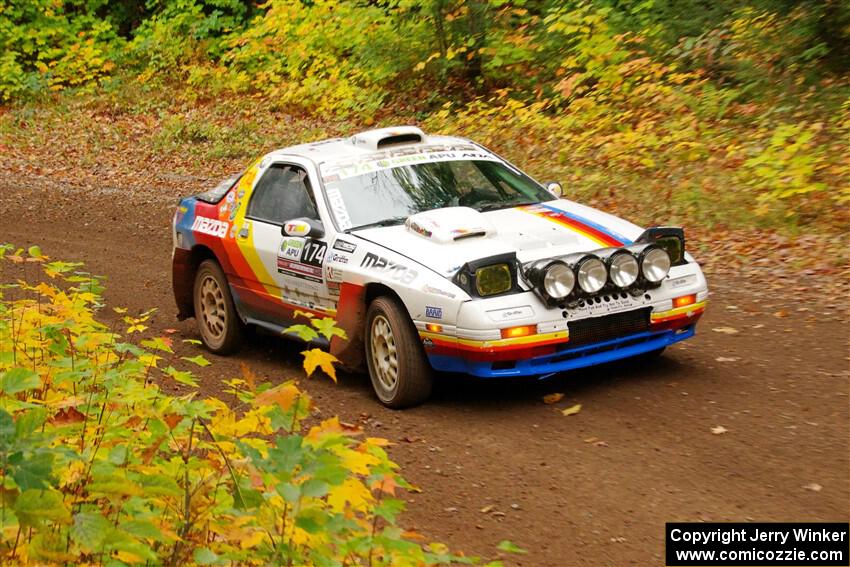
[(292, 264)]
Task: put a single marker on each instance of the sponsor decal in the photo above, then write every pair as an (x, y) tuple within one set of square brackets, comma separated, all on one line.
[(398, 272), (231, 197), (511, 313), (434, 312), (333, 274), (299, 270), (344, 246), (427, 343), (403, 156), (418, 228), (682, 281), (333, 289), (339, 258), (209, 226), (292, 248), (437, 291), (297, 228), (338, 207)]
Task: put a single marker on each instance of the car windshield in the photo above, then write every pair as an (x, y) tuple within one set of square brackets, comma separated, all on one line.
[(388, 196)]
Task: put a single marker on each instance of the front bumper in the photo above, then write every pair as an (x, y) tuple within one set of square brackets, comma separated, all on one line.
[(566, 358), (611, 327)]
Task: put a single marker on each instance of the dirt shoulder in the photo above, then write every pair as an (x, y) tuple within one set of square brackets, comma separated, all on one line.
[(493, 461)]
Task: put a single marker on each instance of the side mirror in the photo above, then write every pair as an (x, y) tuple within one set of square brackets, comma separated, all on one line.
[(303, 227), (555, 188)]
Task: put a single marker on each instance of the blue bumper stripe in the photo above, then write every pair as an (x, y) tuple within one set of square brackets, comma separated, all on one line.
[(568, 359)]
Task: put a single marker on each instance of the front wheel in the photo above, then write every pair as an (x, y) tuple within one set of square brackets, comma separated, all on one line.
[(400, 372), (219, 324)]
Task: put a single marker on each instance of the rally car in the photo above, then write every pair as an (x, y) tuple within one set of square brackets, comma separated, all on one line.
[(433, 254)]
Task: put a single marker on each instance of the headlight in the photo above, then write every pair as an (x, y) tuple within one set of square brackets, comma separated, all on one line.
[(655, 263), (670, 238), (492, 280), (559, 280), (592, 275), (493, 275), (623, 269)]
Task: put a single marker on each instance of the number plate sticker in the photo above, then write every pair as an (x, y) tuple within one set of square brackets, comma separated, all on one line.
[(593, 309), (301, 258)]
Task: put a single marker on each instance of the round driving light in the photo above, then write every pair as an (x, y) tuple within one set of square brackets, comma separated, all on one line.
[(655, 264), (592, 275), (623, 268), (558, 281)]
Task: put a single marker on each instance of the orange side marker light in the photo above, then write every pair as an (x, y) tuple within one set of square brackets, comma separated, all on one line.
[(516, 332), (684, 300), (433, 328)]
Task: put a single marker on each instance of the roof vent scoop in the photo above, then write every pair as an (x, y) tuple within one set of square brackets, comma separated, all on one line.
[(388, 137)]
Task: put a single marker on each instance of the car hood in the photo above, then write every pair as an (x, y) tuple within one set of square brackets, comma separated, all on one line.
[(445, 239)]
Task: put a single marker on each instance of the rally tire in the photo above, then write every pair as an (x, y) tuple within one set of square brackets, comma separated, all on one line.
[(218, 322), (400, 372)]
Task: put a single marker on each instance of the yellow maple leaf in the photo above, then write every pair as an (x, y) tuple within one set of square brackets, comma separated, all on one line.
[(284, 396), (318, 358), (572, 410), (351, 492), (253, 539)]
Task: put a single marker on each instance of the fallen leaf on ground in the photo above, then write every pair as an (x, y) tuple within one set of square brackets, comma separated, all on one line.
[(726, 330), (487, 509), (719, 430), (727, 359), (814, 487), (781, 313), (572, 410), (553, 398)]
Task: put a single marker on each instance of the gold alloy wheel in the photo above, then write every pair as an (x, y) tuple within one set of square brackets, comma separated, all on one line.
[(213, 311), (384, 354)]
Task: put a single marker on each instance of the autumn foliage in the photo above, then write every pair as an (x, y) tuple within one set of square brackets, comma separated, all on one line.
[(728, 115), (99, 464)]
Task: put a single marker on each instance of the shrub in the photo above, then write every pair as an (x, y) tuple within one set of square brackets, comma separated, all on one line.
[(99, 464)]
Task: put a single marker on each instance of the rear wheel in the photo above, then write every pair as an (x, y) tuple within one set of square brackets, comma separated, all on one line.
[(219, 324), (400, 372)]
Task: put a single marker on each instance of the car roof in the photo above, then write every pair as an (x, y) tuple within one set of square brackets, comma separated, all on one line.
[(373, 144)]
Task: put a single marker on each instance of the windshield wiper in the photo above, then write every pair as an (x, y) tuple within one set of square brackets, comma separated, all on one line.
[(496, 205), (383, 222)]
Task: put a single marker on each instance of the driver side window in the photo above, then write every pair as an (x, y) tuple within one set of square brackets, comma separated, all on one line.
[(283, 193)]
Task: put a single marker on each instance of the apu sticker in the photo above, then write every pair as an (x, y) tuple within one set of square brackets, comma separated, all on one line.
[(291, 248), (209, 226)]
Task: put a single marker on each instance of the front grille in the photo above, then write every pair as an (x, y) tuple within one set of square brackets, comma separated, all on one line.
[(608, 327)]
